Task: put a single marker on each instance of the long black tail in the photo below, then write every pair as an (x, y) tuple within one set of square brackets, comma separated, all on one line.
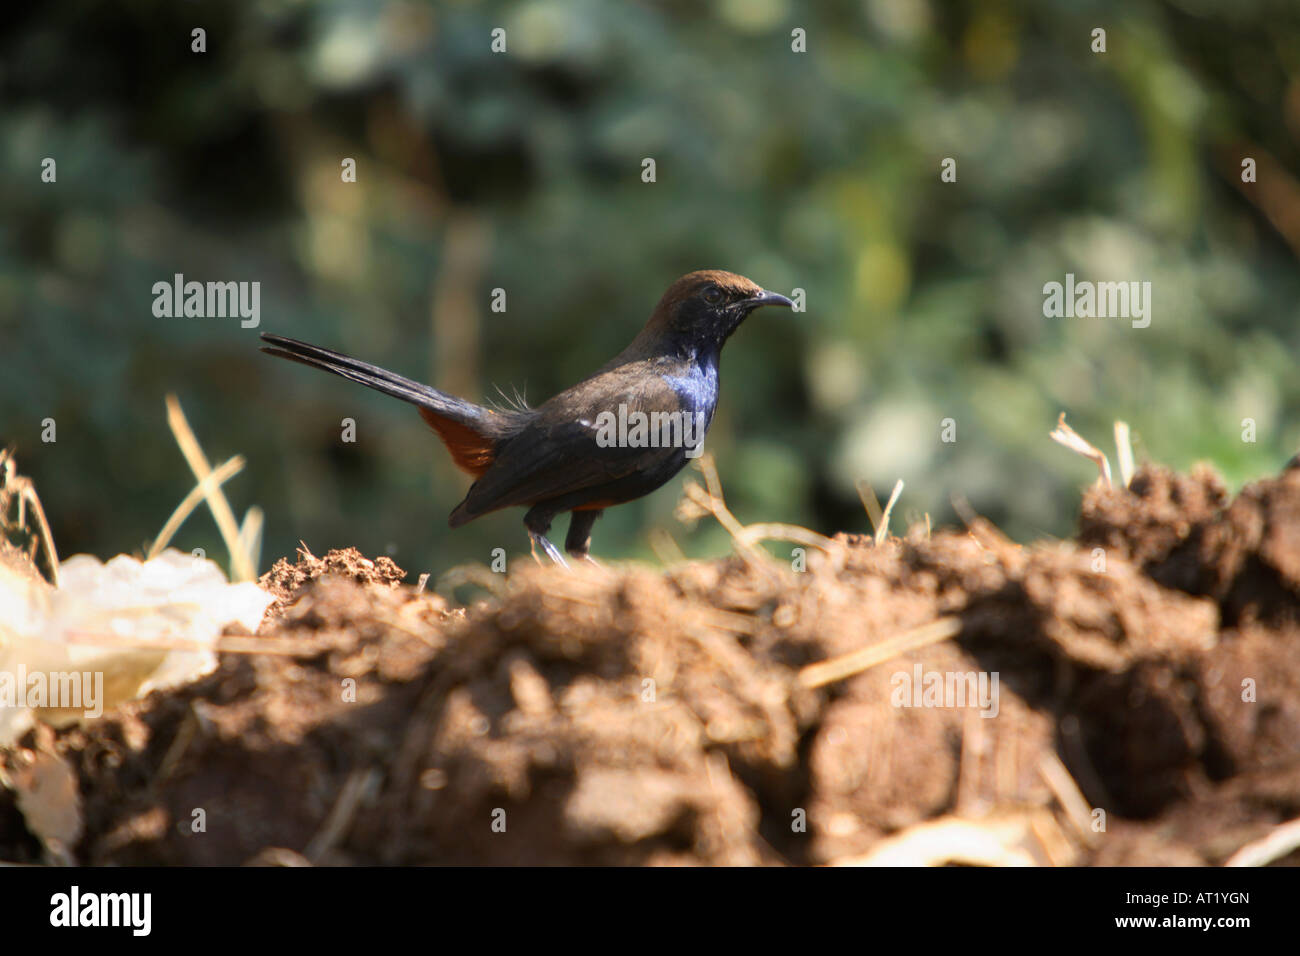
[(380, 379)]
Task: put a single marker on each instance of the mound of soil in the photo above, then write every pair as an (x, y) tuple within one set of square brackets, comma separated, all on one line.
[(1147, 707)]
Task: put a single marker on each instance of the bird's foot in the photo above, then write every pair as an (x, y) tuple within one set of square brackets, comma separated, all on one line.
[(551, 550)]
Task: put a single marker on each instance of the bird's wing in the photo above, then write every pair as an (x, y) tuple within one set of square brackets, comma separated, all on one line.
[(561, 451)]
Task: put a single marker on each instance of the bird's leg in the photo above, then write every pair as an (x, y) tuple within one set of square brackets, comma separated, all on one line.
[(551, 550), (578, 541), (538, 522)]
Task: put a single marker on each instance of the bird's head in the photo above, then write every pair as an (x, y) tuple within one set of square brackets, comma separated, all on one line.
[(701, 309)]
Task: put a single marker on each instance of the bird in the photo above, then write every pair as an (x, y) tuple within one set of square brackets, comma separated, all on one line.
[(568, 454)]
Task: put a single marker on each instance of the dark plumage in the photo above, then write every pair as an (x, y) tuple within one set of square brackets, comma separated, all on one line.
[(554, 458)]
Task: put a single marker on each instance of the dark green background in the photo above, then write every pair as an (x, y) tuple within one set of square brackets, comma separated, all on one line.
[(522, 171)]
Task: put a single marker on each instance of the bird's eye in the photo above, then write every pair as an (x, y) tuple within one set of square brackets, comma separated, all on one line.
[(713, 295)]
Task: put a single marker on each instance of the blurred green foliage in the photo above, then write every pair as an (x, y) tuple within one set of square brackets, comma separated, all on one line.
[(817, 170)]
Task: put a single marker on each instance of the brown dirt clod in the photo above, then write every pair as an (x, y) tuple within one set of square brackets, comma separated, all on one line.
[(650, 716)]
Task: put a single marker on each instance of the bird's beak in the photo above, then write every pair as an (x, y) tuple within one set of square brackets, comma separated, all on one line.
[(767, 298)]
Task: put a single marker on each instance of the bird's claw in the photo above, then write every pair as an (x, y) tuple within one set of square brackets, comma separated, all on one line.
[(551, 550)]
